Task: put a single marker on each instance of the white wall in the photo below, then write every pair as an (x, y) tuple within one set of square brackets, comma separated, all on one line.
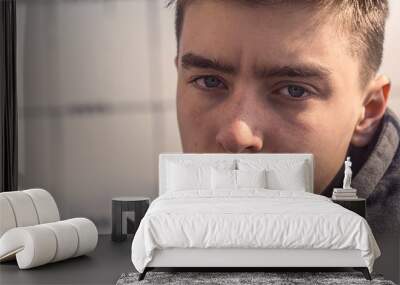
[(94, 113)]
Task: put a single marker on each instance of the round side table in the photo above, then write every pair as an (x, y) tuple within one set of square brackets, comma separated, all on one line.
[(127, 212)]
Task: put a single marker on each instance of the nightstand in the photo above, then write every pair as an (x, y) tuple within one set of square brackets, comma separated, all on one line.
[(127, 212), (358, 205)]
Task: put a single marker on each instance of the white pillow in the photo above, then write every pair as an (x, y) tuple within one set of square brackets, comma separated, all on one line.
[(293, 179), (188, 177), (251, 178), (282, 174), (223, 179)]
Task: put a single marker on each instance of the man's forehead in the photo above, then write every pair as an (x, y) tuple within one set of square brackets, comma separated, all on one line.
[(231, 34), (266, 44), (257, 15)]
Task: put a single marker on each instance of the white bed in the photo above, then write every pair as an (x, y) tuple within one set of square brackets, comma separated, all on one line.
[(252, 226)]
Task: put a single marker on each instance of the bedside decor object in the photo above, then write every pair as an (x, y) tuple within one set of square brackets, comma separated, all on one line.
[(347, 192), (357, 205), (31, 231), (344, 194), (347, 174), (127, 212)]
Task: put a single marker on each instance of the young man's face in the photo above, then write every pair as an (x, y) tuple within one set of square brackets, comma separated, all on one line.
[(284, 84)]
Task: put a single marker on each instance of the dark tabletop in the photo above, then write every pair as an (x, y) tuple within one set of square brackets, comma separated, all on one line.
[(102, 266)]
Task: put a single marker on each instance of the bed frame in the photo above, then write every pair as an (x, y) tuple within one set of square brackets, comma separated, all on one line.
[(248, 259)]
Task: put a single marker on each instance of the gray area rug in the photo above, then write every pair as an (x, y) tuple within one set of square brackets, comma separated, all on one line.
[(225, 278)]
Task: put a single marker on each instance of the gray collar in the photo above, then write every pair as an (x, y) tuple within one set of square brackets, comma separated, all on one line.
[(380, 158)]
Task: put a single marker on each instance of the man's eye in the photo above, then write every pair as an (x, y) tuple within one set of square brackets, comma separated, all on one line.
[(294, 91), (208, 82)]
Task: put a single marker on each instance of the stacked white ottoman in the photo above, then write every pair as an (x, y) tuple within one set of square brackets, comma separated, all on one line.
[(31, 230)]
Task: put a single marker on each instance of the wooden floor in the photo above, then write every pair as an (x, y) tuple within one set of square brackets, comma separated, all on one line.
[(102, 266)]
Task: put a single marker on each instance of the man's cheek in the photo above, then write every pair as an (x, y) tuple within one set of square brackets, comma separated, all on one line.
[(287, 140), (305, 132), (199, 116), (194, 123)]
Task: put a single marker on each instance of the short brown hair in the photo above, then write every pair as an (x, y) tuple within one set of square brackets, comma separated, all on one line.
[(364, 19)]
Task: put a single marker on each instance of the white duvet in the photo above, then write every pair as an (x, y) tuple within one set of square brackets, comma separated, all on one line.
[(250, 218)]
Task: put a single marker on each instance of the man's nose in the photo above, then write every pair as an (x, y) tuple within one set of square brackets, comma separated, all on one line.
[(237, 136)]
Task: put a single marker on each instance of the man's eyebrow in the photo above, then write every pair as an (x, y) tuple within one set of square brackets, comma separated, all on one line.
[(191, 60), (295, 70), (197, 61)]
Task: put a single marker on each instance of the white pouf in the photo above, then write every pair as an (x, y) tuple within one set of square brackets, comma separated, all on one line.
[(7, 216), (46, 207), (40, 244), (32, 233), (23, 208)]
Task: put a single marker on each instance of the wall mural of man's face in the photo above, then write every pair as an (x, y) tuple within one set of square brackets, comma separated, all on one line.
[(266, 79)]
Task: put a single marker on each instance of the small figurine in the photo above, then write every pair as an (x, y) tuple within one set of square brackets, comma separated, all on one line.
[(347, 174)]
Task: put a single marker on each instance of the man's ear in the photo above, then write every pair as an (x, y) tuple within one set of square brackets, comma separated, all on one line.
[(374, 107)]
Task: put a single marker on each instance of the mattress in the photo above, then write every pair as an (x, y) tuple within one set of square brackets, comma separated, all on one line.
[(250, 218)]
